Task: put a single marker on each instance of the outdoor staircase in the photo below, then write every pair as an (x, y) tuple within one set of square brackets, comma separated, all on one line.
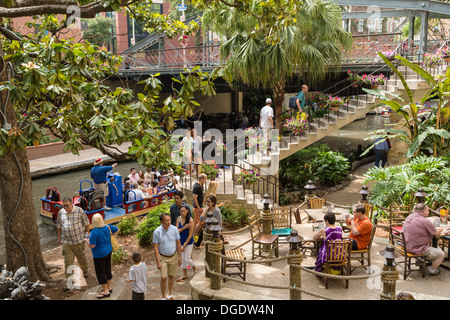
[(357, 108)]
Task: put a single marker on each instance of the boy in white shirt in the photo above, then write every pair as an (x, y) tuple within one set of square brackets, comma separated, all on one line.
[(138, 275)]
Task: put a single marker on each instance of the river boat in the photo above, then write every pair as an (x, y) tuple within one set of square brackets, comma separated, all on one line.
[(91, 201)]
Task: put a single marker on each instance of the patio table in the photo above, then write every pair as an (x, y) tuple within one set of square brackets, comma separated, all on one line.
[(318, 214)]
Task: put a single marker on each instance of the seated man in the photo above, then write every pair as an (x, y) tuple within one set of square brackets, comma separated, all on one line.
[(418, 231), (361, 227), (168, 184), (135, 194)]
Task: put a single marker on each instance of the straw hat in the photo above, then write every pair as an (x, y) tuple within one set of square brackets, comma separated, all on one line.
[(97, 161)]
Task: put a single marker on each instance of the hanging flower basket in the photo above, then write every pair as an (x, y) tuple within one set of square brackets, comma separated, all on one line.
[(354, 78), (335, 103), (212, 171), (248, 177), (297, 124)]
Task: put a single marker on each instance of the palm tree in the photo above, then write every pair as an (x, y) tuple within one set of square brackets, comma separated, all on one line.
[(307, 47)]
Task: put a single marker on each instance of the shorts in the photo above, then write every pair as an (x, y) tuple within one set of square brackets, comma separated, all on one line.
[(169, 265), (103, 187), (197, 213), (433, 253)]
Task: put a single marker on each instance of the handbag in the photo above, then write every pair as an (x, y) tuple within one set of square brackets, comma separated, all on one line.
[(114, 243)]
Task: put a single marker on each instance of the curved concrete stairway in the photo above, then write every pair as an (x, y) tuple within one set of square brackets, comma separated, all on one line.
[(357, 108)]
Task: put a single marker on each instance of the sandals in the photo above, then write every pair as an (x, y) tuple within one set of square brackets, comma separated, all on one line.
[(103, 295), (181, 279)]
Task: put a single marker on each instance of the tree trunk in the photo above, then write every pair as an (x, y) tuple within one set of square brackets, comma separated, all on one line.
[(20, 225), (278, 97), (21, 229)]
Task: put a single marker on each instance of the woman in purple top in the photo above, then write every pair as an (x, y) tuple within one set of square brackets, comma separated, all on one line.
[(331, 232)]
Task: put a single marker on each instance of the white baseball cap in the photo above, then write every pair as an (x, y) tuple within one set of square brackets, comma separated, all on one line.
[(268, 100)]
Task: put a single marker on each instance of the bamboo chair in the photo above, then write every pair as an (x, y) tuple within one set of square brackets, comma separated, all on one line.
[(239, 266), (261, 242), (363, 256), (398, 214), (398, 240), (338, 255), (316, 203), (282, 221)]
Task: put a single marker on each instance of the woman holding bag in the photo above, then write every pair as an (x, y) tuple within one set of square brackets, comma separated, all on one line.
[(101, 246)]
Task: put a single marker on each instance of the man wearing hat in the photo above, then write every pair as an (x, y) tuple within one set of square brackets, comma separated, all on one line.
[(266, 120), (98, 174)]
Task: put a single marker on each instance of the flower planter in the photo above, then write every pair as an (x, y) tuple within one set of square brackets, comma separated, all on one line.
[(374, 86), (334, 108), (446, 58)]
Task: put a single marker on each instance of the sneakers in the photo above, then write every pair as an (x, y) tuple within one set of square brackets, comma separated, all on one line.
[(433, 272), (107, 208)]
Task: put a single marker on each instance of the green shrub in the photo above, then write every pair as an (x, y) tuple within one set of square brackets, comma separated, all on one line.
[(151, 222), (330, 168), (127, 225), (397, 184), (233, 217), (119, 256)]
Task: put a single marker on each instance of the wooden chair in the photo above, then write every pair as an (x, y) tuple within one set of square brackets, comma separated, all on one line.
[(369, 210), (398, 240), (239, 266), (261, 242), (338, 255), (282, 221), (398, 214), (363, 256), (316, 203)]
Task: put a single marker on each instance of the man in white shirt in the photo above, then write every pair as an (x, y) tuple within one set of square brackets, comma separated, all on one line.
[(266, 120)]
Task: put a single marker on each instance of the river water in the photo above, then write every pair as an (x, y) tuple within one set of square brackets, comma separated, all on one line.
[(68, 184)]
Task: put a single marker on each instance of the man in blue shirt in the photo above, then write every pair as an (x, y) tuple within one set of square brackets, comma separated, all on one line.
[(301, 98), (167, 247), (98, 174), (381, 151)]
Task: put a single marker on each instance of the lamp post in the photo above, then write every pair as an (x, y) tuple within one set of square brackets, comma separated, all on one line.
[(420, 195), (266, 215), (214, 260), (364, 192), (390, 275), (310, 187), (295, 279)]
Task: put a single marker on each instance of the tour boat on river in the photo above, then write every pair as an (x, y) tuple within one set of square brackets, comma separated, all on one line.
[(91, 201)]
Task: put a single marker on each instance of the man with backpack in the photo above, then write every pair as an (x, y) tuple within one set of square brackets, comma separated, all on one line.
[(301, 98), (98, 174)]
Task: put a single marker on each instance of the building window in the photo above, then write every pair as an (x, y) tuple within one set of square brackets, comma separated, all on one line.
[(139, 33)]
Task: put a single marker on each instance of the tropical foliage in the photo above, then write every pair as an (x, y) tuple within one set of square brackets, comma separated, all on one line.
[(317, 163), (397, 184), (421, 134), (309, 44)]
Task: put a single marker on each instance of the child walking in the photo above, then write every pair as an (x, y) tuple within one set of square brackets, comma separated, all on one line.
[(138, 275)]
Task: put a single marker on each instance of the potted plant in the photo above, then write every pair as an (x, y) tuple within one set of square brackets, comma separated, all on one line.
[(432, 60), (211, 170), (353, 77), (376, 80), (255, 141), (297, 123), (248, 177), (319, 98), (335, 103), (445, 53)]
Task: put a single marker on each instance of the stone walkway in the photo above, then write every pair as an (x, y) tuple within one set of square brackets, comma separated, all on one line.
[(428, 288)]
